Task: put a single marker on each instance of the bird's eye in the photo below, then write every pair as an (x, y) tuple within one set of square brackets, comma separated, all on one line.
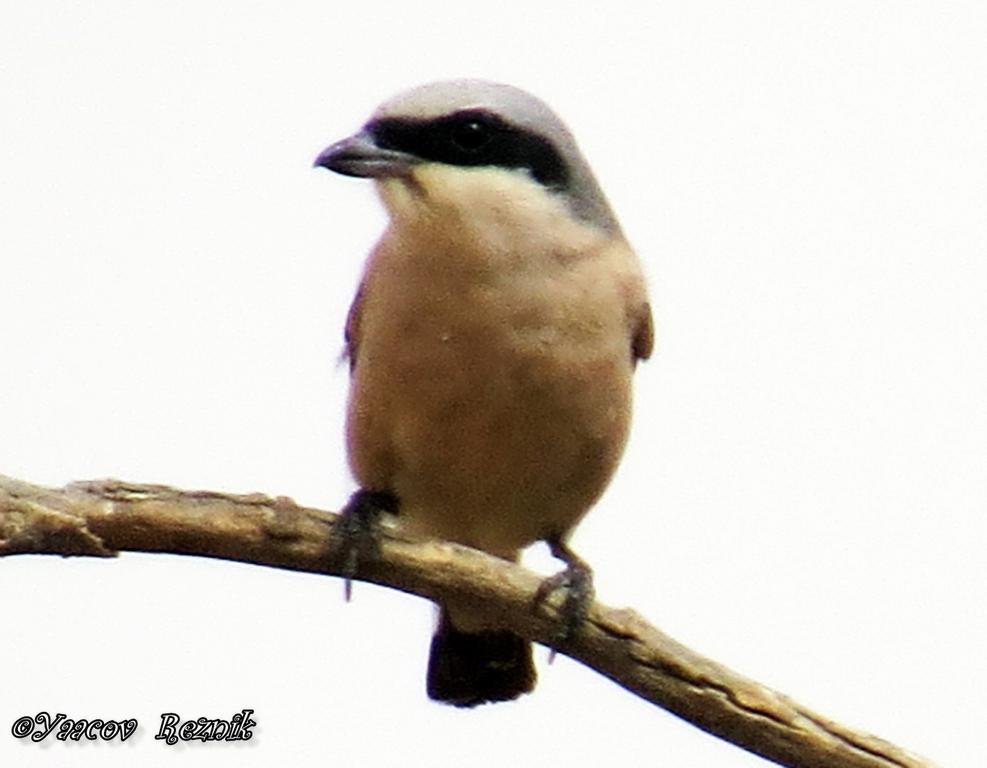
[(470, 135)]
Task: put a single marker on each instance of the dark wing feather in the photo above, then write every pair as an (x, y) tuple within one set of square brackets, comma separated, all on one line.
[(351, 334), (643, 338)]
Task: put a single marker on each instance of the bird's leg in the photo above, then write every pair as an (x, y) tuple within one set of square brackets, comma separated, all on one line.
[(355, 533), (577, 581)]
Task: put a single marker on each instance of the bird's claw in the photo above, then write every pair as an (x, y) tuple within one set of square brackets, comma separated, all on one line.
[(355, 533), (577, 581)]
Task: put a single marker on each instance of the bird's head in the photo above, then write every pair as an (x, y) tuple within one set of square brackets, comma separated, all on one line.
[(460, 144)]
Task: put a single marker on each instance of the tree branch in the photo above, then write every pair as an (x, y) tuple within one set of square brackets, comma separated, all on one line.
[(104, 517)]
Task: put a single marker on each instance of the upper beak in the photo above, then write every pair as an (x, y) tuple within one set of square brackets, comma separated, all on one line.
[(359, 155)]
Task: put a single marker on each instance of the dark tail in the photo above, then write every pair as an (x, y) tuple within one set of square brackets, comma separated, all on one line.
[(467, 669)]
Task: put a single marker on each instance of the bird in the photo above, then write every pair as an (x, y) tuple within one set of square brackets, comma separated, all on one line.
[(491, 346)]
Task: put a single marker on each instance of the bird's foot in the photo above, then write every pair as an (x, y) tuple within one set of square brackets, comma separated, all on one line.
[(577, 581), (355, 535)]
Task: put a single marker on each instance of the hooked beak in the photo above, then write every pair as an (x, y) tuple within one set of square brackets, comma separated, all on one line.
[(360, 156)]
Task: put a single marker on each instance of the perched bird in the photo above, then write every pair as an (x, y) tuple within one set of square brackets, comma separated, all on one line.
[(491, 346)]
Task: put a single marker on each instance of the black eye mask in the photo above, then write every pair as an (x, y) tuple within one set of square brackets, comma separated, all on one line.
[(473, 138)]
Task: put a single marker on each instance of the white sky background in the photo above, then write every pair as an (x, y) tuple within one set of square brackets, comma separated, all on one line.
[(804, 495)]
